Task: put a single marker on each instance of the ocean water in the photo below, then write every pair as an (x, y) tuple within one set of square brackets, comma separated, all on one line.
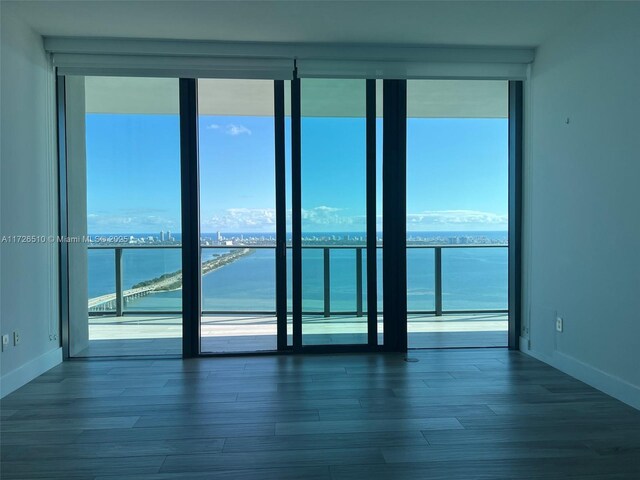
[(472, 278)]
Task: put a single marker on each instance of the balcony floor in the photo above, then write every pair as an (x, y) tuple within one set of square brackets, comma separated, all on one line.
[(161, 334)]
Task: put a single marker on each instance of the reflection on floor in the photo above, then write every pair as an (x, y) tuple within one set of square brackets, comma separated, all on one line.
[(451, 331), (238, 333), (161, 334), (134, 335)]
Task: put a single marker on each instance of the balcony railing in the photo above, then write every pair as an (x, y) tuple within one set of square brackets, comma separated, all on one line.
[(114, 303)]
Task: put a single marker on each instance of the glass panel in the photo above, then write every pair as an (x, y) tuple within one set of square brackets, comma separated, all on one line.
[(343, 282), (380, 298), (289, 208), (475, 278), (333, 208), (237, 215), (312, 280), (130, 159), (379, 236), (156, 268), (420, 279), (457, 194), (289, 299), (220, 290), (364, 281), (101, 279)]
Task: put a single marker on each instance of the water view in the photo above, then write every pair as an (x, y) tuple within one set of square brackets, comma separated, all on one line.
[(242, 279)]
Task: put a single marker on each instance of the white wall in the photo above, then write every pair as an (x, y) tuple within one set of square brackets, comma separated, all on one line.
[(77, 213), (28, 280), (582, 201)]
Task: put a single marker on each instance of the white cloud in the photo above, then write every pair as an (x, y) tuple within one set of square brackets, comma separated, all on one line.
[(231, 219), (230, 129), (324, 215), (234, 130), (326, 218), (454, 218), (264, 219), (128, 223)]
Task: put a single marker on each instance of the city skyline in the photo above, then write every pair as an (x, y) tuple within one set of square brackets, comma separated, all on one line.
[(310, 238)]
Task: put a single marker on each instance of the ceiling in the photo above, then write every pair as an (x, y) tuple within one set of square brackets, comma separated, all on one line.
[(481, 23)]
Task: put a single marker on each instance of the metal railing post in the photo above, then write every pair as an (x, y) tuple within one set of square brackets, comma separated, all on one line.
[(438, 280), (359, 281), (327, 282), (119, 299)]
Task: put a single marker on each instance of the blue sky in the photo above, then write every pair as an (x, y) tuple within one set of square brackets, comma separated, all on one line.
[(456, 174), (133, 173)]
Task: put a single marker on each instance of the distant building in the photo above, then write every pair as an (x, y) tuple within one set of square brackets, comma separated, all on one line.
[(218, 236), (169, 238), (162, 235)]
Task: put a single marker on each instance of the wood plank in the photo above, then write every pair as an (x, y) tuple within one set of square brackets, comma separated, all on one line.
[(284, 473), (324, 441), (358, 426), (281, 459)]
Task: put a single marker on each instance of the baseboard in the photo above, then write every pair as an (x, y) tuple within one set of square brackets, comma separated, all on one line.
[(611, 385), (30, 370)]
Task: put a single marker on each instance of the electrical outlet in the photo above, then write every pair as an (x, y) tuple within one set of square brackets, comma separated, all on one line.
[(5, 341), (559, 324), (16, 338)]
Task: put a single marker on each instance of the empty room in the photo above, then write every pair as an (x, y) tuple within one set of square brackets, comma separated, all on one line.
[(324, 240)]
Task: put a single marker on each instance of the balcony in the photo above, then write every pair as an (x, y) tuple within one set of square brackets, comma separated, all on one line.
[(143, 315)]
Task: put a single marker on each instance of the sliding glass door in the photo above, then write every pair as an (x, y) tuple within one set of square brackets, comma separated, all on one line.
[(124, 221), (264, 198), (335, 178), (237, 215), (457, 213), (334, 203)]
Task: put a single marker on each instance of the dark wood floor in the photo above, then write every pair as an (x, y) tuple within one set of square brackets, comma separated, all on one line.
[(454, 414), (242, 344)]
